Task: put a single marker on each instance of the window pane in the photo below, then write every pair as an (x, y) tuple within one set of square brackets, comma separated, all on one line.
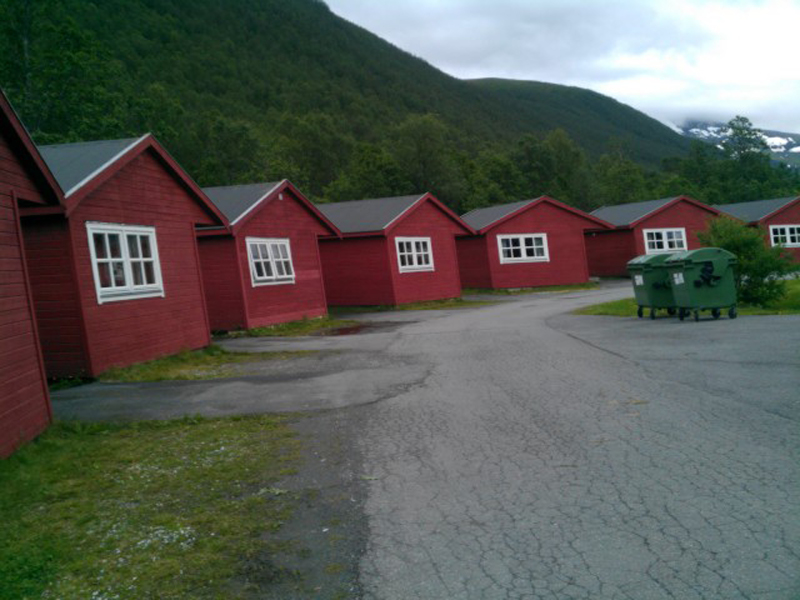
[(284, 251), (276, 250), (262, 248), (115, 249), (279, 268), (403, 260), (259, 269), (104, 271), (147, 251), (506, 243), (254, 251), (267, 268), (133, 246), (149, 273), (421, 247), (100, 245), (287, 265), (118, 269), (138, 277)]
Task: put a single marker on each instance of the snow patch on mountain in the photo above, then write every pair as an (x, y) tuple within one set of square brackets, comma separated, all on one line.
[(783, 146)]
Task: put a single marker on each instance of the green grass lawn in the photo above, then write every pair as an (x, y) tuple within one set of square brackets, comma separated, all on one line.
[(211, 362), (788, 305), (295, 328), (174, 509), (446, 304), (590, 285)]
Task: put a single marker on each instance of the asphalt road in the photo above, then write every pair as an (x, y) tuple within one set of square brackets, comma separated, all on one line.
[(529, 453)]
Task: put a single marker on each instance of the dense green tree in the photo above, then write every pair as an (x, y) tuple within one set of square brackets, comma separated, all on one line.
[(743, 139), (423, 148), (760, 269), (371, 173), (618, 180)]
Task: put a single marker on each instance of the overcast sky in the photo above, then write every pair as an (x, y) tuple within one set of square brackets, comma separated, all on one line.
[(673, 59)]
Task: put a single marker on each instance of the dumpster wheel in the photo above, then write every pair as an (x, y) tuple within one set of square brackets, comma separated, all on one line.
[(732, 312), (653, 313), (681, 313), (715, 312), (696, 315), (640, 312)]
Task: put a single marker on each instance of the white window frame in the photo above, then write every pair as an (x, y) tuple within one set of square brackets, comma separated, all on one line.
[(272, 260), (417, 264), (128, 291), (663, 233), (521, 239), (787, 233)]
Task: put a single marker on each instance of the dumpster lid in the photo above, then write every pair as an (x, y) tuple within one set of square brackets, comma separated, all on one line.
[(702, 255), (650, 259)]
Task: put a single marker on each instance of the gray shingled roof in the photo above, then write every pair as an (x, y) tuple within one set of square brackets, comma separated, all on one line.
[(72, 164), (750, 212), (625, 214), (483, 217), (235, 200), (361, 216)]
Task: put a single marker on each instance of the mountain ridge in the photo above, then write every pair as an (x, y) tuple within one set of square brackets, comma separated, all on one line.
[(255, 67)]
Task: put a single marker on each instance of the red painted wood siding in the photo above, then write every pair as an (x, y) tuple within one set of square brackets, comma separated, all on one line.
[(221, 283), (48, 248), (790, 216), (608, 252), (24, 402), (270, 304), (473, 262), (444, 282), (681, 214), (357, 272), (129, 331), (565, 242)]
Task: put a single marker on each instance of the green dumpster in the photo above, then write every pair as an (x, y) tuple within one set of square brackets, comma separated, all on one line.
[(701, 280), (651, 283)]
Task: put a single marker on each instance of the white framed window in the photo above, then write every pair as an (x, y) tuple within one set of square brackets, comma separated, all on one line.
[(414, 254), (664, 240), (270, 261), (124, 261), (523, 248), (787, 236)]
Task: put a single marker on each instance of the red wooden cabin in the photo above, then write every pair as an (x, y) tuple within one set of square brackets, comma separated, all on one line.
[(393, 251), (265, 268), (115, 270), (780, 219), (525, 244), (24, 181), (665, 225)]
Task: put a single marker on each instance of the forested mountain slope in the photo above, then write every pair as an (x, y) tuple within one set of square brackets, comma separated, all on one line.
[(247, 89)]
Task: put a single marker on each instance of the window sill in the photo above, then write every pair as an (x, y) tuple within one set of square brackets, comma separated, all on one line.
[(130, 296), (516, 261), (279, 282), (421, 270)]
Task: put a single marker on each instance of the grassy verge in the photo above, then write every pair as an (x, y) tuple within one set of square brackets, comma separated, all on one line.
[(295, 328), (788, 305), (175, 509), (212, 362), (590, 285), (447, 304)]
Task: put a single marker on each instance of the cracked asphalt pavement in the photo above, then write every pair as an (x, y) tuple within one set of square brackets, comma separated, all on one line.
[(530, 453)]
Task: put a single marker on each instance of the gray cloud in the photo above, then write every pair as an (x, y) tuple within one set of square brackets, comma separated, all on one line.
[(632, 50)]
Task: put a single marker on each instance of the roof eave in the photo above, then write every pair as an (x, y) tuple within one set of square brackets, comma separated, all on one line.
[(427, 196), (778, 210), (33, 152), (280, 187), (665, 206), (111, 167)]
